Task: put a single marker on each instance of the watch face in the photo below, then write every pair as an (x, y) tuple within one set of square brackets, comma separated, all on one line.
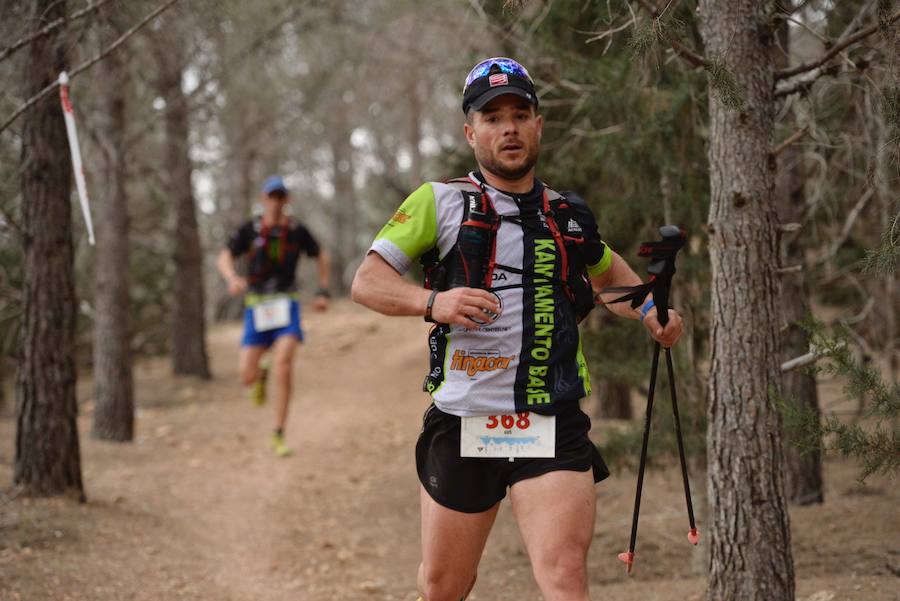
[(491, 316)]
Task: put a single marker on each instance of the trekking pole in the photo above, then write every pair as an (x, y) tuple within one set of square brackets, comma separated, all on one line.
[(628, 556), (662, 268), (693, 535)]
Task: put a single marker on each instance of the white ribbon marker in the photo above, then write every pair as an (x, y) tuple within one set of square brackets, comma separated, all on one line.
[(76, 154)]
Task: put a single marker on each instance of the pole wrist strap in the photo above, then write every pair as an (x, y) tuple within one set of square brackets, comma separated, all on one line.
[(646, 309)]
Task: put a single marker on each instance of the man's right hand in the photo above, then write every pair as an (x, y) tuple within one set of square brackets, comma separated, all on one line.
[(237, 285), (459, 305)]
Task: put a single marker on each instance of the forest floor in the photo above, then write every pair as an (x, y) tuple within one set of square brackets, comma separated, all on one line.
[(200, 508)]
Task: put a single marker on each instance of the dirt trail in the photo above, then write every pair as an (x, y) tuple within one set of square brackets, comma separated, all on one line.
[(199, 507)]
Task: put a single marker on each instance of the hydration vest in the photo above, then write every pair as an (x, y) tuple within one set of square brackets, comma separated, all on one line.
[(471, 262), (261, 265)]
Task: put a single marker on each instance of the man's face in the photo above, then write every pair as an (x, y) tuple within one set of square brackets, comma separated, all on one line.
[(506, 136), (275, 200)]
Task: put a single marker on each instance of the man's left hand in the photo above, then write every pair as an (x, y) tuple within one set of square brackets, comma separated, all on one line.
[(669, 335)]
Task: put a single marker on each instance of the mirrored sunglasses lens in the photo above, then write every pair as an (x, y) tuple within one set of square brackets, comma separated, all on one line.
[(506, 65)]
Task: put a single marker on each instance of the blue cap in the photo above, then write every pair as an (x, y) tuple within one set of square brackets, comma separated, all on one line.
[(274, 183)]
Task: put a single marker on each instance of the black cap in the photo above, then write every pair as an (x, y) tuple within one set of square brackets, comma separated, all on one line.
[(497, 83)]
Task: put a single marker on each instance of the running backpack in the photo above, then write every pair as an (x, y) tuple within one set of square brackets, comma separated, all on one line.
[(471, 262)]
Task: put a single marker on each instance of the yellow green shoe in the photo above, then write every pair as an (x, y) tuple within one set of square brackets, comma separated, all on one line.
[(258, 390), (279, 446)]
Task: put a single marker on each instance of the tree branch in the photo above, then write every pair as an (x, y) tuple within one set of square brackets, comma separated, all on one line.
[(837, 48), (229, 64), (848, 224), (798, 362), (49, 28), (790, 140), (87, 64), (12, 223), (680, 49)]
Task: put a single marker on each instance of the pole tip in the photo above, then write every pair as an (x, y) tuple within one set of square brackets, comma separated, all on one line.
[(694, 536), (628, 558), (63, 78)]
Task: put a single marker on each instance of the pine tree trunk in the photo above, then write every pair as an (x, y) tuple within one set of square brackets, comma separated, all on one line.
[(803, 469), (749, 532), (47, 453), (615, 399), (113, 380), (188, 318), (344, 204)]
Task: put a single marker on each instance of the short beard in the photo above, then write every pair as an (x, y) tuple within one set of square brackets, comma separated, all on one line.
[(489, 163)]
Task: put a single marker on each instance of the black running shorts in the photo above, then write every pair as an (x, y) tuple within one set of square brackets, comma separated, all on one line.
[(474, 484)]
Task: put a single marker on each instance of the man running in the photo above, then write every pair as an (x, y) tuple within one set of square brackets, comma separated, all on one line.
[(273, 243), (510, 263)]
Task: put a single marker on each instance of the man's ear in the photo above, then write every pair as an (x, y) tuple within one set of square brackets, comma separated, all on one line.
[(470, 133), (540, 126)]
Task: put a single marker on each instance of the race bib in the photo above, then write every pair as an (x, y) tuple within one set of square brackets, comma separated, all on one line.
[(523, 435), (272, 314)]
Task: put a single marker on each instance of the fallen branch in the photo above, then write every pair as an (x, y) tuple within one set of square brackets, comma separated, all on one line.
[(87, 64)]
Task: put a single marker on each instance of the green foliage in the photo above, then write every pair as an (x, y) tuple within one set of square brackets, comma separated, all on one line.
[(649, 33), (876, 445), (721, 79), (883, 260)]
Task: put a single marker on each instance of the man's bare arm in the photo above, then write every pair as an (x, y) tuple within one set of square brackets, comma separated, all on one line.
[(323, 261), (620, 274), (379, 287), (225, 264)]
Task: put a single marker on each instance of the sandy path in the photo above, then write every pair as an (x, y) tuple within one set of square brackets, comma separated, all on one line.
[(199, 508)]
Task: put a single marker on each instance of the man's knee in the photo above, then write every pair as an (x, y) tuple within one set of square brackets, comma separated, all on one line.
[(440, 584), (249, 373), (562, 570), (283, 356)]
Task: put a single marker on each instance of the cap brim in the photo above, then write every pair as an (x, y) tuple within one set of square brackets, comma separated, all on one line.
[(482, 100)]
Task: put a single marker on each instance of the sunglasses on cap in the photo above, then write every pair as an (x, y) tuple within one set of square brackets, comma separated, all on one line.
[(506, 65)]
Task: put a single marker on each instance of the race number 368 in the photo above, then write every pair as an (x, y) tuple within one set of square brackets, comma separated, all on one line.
[(508, 422)]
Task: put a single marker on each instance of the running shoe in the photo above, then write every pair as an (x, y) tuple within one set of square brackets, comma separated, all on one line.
[(258, 389), (279, 446)]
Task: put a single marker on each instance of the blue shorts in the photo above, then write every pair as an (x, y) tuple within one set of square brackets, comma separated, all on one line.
[(254, 338)]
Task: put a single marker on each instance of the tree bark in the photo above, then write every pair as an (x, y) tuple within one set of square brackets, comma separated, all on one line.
[(47, 452), (188, 318), (615, 399), (749, 532), (113, 379), (345, 214), (803, 469)]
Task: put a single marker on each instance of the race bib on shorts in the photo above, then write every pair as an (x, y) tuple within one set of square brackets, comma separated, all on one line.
[(272, 314), (510, 436)]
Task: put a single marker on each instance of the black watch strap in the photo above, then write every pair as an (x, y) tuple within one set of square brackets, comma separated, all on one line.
[(429, 306)]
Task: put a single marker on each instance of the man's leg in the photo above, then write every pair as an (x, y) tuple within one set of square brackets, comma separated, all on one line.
[(555, 514), (248, 363), (282, 362), (452, 542)]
